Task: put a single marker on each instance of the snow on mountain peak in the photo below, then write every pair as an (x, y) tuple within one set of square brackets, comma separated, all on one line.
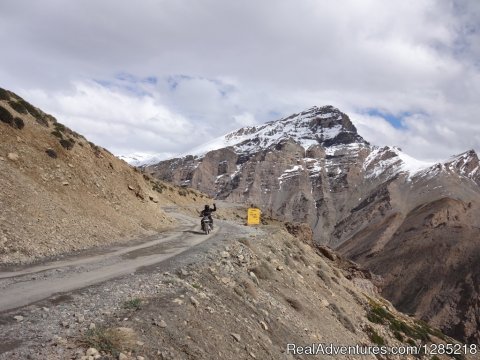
[(318, 125), (143, 159), (466, 164), (392, 161)]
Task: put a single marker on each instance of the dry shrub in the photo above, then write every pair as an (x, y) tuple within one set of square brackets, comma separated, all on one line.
[(5, 116), (325, 278), (301, 258), (294, 303), (342, 317), (356, 297), (67, 144), (246, 242), (301, 231), (4, 94), (322, 264), (250, 288), (337, 273), (182, 192), (52, 153), (263, 271), (111, 341), (18, 123), (31, 109), (272, 249), (57, 133), (18, 107), (305, 260), (239, 291), (327, 252)]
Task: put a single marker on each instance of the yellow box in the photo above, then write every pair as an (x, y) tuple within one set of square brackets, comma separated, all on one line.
[(253, 216)]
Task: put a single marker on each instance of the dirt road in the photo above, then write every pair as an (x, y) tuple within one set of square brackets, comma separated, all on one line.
[(23, 287)]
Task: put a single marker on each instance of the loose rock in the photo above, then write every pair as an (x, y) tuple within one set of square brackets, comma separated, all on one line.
[(160, 323), (236, 337), (92, 352), (13, 156), (254, 277), (80, 318), (194, 301)]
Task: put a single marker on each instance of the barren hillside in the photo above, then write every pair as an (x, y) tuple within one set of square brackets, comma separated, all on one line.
[(60, 193)]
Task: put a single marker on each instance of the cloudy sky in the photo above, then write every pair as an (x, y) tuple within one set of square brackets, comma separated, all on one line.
[(166, 75)]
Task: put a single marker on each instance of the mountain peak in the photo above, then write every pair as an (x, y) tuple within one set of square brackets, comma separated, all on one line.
[(391, 160), (326, 126), (466, 164), (466, 155), (321, 109)]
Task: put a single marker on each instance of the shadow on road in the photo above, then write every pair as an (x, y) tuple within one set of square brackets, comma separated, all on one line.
[(194, 232)]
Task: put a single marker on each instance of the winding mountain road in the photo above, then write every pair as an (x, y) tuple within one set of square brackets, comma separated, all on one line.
[(35, 283)]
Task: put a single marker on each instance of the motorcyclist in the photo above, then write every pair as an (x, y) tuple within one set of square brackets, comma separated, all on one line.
[(207, 211)]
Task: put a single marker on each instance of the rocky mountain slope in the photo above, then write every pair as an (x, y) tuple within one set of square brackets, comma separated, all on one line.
[(379, 206), (60, 193)]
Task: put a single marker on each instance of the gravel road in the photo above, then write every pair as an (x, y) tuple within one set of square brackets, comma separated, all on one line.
[(23, 287), (41, 302)]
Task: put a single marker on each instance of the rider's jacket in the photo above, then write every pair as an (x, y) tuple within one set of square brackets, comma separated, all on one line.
[(209, 211)]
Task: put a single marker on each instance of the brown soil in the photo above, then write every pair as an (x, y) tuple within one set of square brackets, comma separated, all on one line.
[(56, 197)]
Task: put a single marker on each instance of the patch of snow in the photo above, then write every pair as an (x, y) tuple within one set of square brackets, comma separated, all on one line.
[(456, 165), (333, 150), (289, 173), (412, 165), (144, 158), (390, 161), (218, 178), (295, 168), (297, 127), (313, 166)]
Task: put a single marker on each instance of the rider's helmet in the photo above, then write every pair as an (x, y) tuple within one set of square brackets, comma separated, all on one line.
[(207, 207)]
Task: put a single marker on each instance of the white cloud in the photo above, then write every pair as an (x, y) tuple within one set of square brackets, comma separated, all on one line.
[(118, 120), (245, 119), (239, 63)]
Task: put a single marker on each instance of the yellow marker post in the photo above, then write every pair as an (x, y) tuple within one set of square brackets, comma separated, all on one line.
[(253, 216)]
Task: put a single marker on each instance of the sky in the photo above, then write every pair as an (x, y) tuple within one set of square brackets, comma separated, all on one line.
[(164, 76)]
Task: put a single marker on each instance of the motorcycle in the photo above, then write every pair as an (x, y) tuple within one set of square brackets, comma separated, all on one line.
[(206, 225)]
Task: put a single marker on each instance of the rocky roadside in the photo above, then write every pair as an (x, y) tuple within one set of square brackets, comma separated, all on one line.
[(53, 328), (245, 296)]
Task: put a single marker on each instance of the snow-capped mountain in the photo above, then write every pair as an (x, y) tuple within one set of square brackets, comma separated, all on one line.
[(143, 159), (313, 167), (326, 126), (326, 139), (392, 160)]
